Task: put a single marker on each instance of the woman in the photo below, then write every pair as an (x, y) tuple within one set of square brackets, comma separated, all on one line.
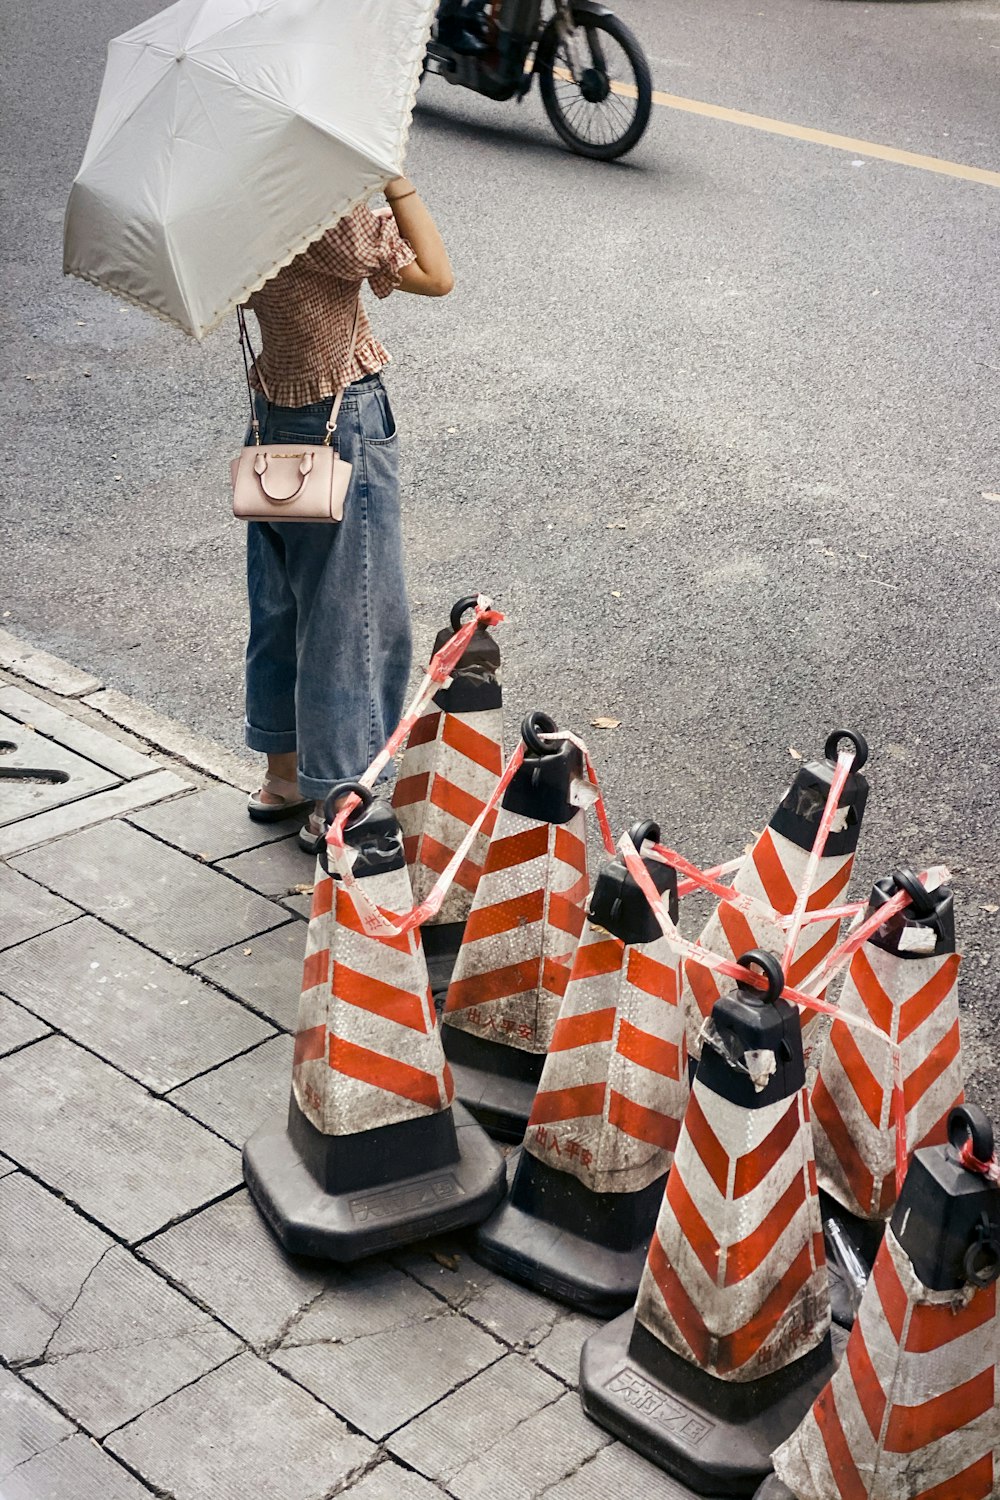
[(328, 658)]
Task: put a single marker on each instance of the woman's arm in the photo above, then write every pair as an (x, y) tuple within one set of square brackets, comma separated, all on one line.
[(430, 275)]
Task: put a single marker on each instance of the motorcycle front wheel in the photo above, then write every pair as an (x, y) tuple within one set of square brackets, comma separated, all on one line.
[(599, 94)]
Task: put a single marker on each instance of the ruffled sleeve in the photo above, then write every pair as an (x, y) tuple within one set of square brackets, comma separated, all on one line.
[(364, 246)]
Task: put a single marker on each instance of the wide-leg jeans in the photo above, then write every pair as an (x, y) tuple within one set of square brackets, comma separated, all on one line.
[(328, 659)]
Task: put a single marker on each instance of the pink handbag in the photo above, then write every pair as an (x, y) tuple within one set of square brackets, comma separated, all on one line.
[(275, 482)]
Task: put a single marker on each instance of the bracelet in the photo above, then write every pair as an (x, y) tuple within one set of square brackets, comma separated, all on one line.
[(400, 196)]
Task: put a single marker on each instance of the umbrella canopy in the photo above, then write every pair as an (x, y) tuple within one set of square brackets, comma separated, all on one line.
[(229, 135)]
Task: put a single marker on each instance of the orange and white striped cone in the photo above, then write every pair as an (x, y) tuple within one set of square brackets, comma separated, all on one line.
[(904, 979), (913, 1412), (730, 1338), (773, 873), (521, 935), (450, 767), (607, 1113), (375, 1153)]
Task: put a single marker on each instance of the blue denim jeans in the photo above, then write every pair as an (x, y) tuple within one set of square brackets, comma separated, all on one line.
[(328, 658)]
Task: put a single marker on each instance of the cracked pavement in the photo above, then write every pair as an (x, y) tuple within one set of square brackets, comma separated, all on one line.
[(155, 1339)]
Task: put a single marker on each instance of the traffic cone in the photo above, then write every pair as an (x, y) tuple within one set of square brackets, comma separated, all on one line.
[(912, 1413), (729, 1341), (607, 1113), (773, 872), (375, 1153), (450, 767), (515, 960), (904, 979)]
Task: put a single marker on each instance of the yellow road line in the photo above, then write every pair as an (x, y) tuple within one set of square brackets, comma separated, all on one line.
[(820, 137)]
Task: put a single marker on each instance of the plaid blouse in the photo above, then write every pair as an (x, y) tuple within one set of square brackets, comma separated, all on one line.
[(306, 311)]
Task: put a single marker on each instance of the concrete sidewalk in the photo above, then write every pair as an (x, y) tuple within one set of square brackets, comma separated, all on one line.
[(155, 1339)]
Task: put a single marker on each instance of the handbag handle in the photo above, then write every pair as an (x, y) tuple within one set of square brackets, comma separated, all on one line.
[(245, 345), (260, 469)]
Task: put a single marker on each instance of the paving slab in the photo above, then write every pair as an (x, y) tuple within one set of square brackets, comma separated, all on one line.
[(163, 899), (392, 1482), (528, 1460), (46, 1254), (75, 1469), (211, 824), (559, 1351), (369, 1298), (130, 1161), (83, 739), (274, 870), (89, 811), (511, 1312), (446, 1439), (241, 1095), (381, 1381), (616, 1470), (264, 973), (61, 775), (157, 1023), (227, 1258), (28, 1424), (300, 905), (26, 908), (242, 1430), (17, 1027), (127, 1342)]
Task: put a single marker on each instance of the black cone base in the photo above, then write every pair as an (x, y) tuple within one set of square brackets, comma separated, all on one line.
[(553, 1234), (497, 1084), (344, 1197), (716, 1436), (441, 942)]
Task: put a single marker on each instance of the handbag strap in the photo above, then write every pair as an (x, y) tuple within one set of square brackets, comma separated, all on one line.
[(247, 347)]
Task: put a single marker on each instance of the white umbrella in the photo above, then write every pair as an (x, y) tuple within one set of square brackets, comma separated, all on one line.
[(229, 135)]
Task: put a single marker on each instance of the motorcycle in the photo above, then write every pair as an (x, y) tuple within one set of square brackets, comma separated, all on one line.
[(593, 74)]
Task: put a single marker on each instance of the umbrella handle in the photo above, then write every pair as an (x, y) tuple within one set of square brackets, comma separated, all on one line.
[(260, 469)]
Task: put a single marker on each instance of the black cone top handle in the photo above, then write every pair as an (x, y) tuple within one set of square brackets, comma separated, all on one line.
[(921, 898), (643, 830), (969, 1123), (341, 789), (532, 726), (759, 958), (459, 608), (832, 746)]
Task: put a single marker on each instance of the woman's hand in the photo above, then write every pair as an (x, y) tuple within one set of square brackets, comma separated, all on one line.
[(430, 275)]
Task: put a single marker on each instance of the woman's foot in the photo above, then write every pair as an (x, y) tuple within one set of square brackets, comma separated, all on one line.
[(275, 800), (313, 831), (279, 796)]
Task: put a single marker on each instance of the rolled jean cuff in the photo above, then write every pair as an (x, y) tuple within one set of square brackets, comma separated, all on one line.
[(270, 741), (312, 786)]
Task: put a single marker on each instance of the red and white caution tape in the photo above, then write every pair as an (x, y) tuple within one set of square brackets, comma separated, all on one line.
[(988, 1169), (598, 797), (845, 760), (860, 932), (437, 676), (706, 880), (376, 921), (697, 880)]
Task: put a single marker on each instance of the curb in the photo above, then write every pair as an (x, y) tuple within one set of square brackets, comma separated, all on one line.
[(67, 681)]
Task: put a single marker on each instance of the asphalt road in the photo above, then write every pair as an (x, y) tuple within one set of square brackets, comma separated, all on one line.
[(717, 427)]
